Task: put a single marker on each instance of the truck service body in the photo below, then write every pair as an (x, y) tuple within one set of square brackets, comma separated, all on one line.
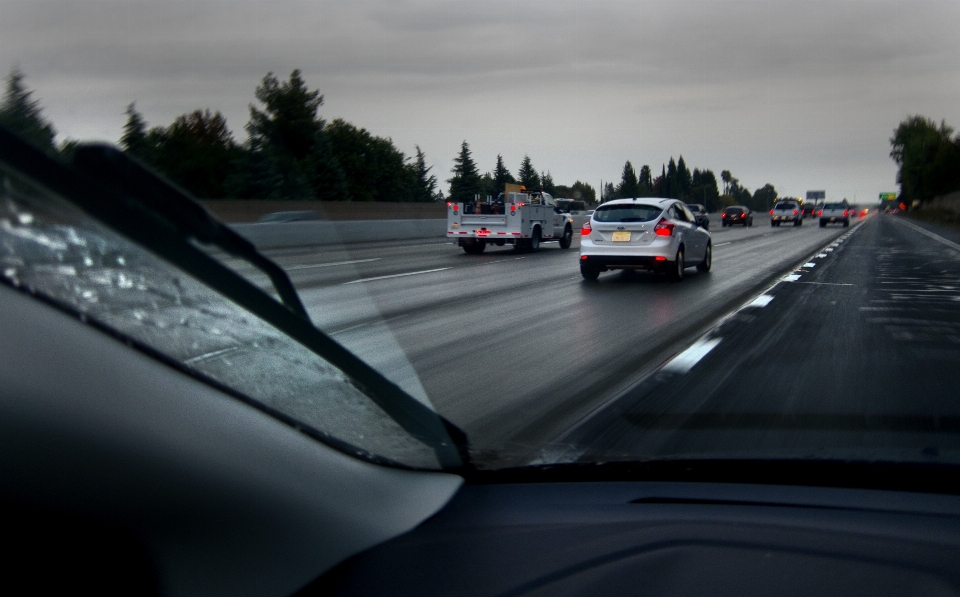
[(520, 218)]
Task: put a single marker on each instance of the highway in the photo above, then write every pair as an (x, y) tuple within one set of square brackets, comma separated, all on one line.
[(520, 352)]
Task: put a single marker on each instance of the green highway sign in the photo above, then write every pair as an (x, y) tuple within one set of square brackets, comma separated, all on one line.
[(888, 196)]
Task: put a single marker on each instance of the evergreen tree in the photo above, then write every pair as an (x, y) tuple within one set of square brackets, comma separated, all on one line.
[(374, 168), (628, 186), (672, 181), (465, 182), (546, 183), (583, 192), (22, 116), (609, 192), (288, 121), (660, 185), (501, 176), (527, 176), (134, 138), (195, 151), (684, 179), (425, 185), (645, 178)]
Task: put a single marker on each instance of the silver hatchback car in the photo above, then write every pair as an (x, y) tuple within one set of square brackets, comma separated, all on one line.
[(649, 233)]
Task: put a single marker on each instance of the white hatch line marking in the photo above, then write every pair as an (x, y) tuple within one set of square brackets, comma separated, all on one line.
[(685, 361), (761, 301), (426, 271), (926, 232), (791, 278), (316, 265), (809, 264), (821, 255)]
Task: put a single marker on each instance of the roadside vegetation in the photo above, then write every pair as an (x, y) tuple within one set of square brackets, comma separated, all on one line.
[(928, 160), (290, 152)]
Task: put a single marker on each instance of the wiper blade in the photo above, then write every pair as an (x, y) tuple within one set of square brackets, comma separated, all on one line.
[(141, 206)]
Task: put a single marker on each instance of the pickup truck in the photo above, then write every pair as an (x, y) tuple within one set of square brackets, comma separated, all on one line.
[(521, 219), (786, 211), (835, 212)]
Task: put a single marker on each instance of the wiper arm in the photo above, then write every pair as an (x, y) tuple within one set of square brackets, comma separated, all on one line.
[(144, 190), (141, 206)]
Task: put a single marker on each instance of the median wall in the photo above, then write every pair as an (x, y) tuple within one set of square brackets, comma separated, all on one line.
[(293, 234)]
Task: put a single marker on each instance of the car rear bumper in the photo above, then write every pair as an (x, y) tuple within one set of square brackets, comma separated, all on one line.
[(602, 262)]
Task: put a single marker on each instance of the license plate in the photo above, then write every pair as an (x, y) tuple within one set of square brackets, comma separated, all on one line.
[(621, 236)]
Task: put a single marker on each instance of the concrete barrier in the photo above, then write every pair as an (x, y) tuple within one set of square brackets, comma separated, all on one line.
[(292, 234)]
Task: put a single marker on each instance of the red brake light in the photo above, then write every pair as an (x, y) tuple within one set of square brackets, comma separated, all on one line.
[(771, 212), (794, 212), (587, 229), (659, 258), (820, 213), (664, 228), (723, 215)]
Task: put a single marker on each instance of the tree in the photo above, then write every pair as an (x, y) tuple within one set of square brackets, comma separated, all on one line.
[(609, 192), (546, 183), (527, 175), (928, 160), (628, 186), (703, 189), (644, 182), (373, 167), (425, 184), (287, 154), (672, 186), (465, 182), (726, 177), (22, 116), (583, 191), (764, 197), (684, 179), (134, 138), (501, 176), (196, 151)]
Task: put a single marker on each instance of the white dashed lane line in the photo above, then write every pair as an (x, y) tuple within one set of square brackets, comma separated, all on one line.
[(426, 271)]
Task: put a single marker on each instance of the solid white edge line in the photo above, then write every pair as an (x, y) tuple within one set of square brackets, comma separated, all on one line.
[(426, 271), (932, 235)]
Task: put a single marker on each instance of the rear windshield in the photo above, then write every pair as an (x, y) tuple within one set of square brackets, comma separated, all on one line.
[(733, 210), (627, 213), (833, 206), (785, 206)]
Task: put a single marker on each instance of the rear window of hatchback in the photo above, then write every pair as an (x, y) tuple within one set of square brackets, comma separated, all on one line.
[(627, 213)]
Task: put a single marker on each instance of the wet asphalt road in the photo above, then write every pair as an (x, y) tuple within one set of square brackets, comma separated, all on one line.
[(520, 352)]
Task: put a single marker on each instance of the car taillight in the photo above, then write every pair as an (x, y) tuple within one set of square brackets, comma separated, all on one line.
[(586, 230), (844, 212), (794, 212), (664, 228), (771, 212), (723, 216), (820, 213)]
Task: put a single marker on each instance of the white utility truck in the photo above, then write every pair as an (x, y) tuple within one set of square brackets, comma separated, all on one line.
[(518, 217)]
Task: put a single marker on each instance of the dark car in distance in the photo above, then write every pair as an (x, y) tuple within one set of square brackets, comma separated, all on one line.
[(736, 214), (700, 213)]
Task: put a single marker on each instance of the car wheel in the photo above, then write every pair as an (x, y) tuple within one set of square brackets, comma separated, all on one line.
[(707, 263), (589, 272), (678, 265), (567, 238), (534, 240), (475, 248), (772, 224)]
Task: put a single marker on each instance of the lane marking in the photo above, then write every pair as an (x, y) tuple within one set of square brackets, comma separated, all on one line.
[(828, 283), (821, 255), (791, 278), (316, 265), (935, 237), (721, 244), (212, 355), (685, 361), (809, 264), (426, 271), (761, 301)]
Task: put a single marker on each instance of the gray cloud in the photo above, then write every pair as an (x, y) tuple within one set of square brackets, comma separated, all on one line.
[(787, 92)]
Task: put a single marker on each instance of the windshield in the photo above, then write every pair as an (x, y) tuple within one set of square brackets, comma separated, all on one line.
[(627, 213), (362, 145)]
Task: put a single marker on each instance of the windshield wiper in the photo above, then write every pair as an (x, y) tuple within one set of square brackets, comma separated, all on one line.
[(150, 211)]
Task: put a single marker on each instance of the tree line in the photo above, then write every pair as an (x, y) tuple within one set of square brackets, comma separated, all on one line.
[(292, 153), (928, 159)]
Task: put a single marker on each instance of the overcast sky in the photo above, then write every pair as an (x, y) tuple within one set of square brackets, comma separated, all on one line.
[(801, 94)]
